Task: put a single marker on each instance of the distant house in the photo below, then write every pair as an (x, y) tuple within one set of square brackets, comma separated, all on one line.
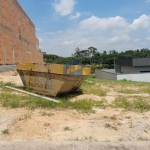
[(134, 69)]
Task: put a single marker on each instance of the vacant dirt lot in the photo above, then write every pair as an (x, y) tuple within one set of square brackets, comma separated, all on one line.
[(69, 125), (104, 125)]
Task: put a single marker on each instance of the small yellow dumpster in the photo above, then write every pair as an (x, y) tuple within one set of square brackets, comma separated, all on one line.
[(52, 79)]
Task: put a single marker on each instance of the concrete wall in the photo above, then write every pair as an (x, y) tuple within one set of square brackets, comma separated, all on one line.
[(18, 41), (144, 77), (139, 69), (131, 69), (5, 68), (106, 74), (109, 74), (127, 69)]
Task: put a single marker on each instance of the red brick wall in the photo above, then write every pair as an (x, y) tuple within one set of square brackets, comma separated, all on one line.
[(17, 35)]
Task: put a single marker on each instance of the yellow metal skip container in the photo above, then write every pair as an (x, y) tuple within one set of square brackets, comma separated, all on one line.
[(52, 79)]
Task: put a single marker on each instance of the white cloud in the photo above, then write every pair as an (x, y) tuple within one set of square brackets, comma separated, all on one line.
[(103, 33), (114, 23), (67, 42), (119, 39), (136, 40), (148, 38), (64, 7), (50, 33), (142, 22), (94, 23), (40, 39), (139, 12), (53, 33), (71, 17), (147, 1), (37, 29)]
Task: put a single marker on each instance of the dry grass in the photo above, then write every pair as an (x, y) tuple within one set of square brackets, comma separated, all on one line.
[(133, 96)]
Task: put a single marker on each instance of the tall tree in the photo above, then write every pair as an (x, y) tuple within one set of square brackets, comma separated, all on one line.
[(92, 51)]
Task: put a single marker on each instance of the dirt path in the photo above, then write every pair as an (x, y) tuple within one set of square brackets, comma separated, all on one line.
[(43, 145)]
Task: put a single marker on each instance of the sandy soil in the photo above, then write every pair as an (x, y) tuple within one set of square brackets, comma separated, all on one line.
[(69, 125), (11, 76)]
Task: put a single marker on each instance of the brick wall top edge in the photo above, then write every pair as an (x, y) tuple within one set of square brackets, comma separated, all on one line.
[(24, 12)]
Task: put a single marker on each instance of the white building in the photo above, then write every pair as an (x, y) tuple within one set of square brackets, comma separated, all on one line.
[(134, 69)]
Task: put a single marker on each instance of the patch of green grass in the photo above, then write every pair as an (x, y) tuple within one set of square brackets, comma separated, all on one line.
[(46, 124), (128, 91), (90, 139), (147, 90), (66, 128), (99, 92), (77, 139), (138, 104), (100, 104), (1, 84), (114, 128), (113, 118), (105, 116), (121, 139), (10, 84), (83, 105), (107, 125), (143, 139), (9, 100), (6, 131), (16, 101), (141, 104), (25, 117), (87, 83), (91, 76), (121, 102), (128, 117), (46, 114), (92, 88), (33, 102), (86, 105), (110, 126)]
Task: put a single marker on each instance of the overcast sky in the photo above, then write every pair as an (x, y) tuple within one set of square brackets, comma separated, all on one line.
[(64, 25)]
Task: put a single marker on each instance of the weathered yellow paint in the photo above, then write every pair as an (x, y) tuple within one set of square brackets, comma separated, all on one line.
[(52, 79)]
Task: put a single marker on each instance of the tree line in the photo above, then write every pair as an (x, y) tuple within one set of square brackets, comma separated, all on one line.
[(91, 56)]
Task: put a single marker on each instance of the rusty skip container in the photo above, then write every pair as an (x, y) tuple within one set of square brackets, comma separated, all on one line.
[(52, 79)]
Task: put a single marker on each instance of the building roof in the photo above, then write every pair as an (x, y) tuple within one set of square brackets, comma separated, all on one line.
[(133, 61)]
